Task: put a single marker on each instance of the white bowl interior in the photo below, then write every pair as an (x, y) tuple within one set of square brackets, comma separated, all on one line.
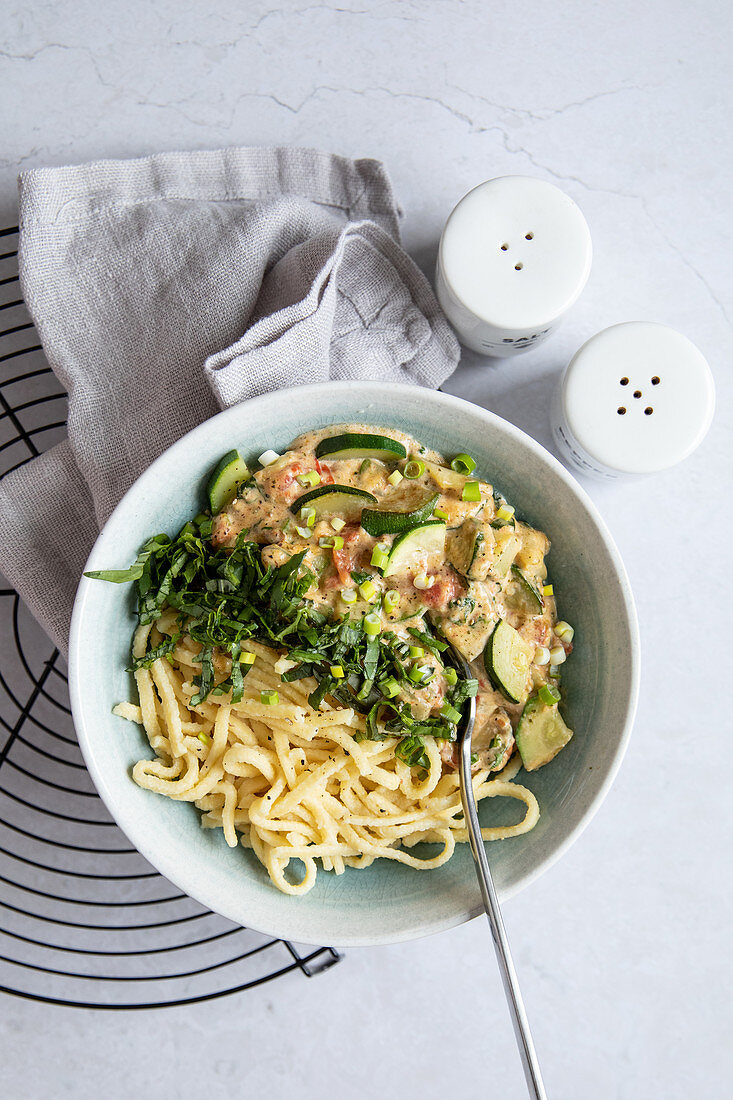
[(387, 902)]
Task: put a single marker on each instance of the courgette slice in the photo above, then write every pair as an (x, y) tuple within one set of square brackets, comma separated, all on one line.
[(225, 480), (445, 478), (507, 658), (470, 549), (427, 538), (359, 445), (334, 500), (378, 523), (483, 554), (507, 548), (541, 734), (529, 596)]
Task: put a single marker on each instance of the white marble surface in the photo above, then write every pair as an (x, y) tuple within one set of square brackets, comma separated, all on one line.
[(622, 948)]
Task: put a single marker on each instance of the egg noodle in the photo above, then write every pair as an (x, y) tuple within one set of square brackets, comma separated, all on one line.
[(293, 783)]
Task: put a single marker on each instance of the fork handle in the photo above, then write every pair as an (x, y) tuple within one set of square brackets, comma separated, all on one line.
[(513, 993)]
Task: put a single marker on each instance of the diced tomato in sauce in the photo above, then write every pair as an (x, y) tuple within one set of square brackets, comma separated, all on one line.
[(284, 483), (447, 586), (449, 754), (325, 472), (346, 558), (536, 631)]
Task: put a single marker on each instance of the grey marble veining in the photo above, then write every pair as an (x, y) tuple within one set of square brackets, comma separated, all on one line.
[(623, 947)]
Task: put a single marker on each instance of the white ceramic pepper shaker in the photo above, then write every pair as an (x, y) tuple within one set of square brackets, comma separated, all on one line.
[(514, 255), (637, 398)]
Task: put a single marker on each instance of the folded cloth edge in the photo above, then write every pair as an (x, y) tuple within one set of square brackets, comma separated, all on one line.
[(69, 193)]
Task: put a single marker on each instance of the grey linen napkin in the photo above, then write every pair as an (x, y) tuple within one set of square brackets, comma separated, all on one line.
[(166, 288)]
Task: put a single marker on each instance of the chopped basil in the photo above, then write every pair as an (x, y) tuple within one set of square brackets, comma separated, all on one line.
[(226, 596)]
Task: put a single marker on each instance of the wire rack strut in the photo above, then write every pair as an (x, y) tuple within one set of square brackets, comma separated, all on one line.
[(85, 921)]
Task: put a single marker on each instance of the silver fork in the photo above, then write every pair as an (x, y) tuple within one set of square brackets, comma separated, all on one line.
[(523, 1035)]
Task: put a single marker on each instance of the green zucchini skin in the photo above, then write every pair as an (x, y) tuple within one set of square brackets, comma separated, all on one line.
[(507, 658), (426, 536), (541, 734), (360, 445), (378, 523), (226, 477), (342, 500), (531, 595)]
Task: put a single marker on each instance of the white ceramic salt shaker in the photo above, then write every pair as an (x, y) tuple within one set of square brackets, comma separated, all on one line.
[(514, 255), (637, 398)]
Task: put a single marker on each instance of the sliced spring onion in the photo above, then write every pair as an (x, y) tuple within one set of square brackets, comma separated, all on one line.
[(395, 477), (505, 513), (542, 655), (391, 599), (450, 712), (204, 738), (348, 595), (557, 655), (367, 590), (379, 557), (308, 516), (414, 468), (463, 464), (246, 657), (268, 457), (333, 543), (304, 532), (565, 631), (549, 695), (337, 523), (337, 672), (309, 480), (471, 491), (389, 687), (440, 514), (423, 581), (548, 590), (451, 677), (269, 698), (420, 673), (416, 651), (372, 624)]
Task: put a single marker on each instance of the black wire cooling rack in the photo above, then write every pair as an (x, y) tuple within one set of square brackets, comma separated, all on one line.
[(85, 921)]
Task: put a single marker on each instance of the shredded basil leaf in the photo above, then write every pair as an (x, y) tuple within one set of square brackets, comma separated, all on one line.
[(227, 595)]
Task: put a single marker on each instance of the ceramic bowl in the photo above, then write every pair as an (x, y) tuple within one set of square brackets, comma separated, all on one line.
[(386, 902)]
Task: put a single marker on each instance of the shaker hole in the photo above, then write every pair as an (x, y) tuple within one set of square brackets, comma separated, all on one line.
[(656, 380), (518, 267), (637, 393), (621, 411), (528, 236), (504, 247), (624, 381), (648, 410)]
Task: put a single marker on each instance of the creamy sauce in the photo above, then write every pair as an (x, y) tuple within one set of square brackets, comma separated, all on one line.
[(472, 582)]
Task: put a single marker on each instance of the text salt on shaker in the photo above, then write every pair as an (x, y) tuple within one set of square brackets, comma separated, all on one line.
[(514, 255), (637, 398)]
